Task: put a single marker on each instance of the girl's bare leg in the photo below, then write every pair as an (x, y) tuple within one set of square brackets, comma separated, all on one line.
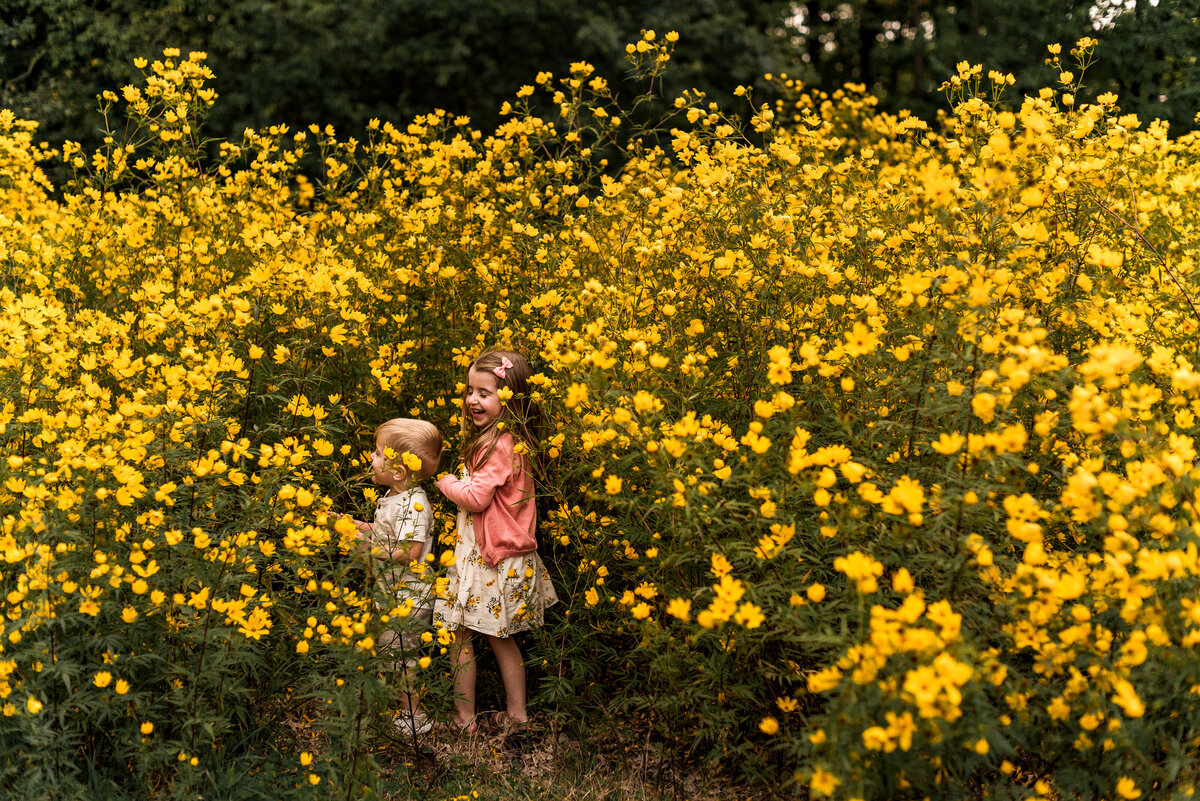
[(464, 679), (512, 671)]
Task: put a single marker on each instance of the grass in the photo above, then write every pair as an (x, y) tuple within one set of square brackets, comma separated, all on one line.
[(540, 764)]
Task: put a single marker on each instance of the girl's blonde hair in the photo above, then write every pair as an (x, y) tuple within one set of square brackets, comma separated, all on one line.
[(519, 414)]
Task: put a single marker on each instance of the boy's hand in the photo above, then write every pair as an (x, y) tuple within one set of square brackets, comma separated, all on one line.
[(361, 525), (363, 544)]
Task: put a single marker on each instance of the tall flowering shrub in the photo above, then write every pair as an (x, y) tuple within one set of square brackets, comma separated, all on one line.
[(181, 590), (871, 446)]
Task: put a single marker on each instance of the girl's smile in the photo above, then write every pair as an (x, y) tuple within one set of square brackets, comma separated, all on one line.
[(481, 402)]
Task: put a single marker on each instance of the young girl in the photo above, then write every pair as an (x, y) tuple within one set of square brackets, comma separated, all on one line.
[(497, 585)]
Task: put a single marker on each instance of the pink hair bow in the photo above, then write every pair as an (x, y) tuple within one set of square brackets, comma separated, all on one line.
[(505, 364)]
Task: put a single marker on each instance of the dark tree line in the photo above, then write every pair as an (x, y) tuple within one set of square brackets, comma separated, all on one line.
[(903, 49), (342, 62)]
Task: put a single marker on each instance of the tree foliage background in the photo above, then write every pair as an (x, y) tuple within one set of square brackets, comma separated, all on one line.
[(317, 61)]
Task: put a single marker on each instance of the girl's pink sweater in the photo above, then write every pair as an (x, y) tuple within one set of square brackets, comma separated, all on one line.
[(499, 493)]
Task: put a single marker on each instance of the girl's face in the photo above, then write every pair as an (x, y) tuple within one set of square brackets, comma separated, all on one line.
[(481, 403)]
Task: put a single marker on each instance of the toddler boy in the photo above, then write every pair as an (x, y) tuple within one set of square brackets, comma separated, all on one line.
[(407, 452)]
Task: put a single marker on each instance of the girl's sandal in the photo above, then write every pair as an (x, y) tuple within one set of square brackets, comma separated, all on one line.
[(505, 724), (453, 727)]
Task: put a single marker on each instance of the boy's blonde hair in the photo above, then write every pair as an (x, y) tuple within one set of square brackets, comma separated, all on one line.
[(418, 437)]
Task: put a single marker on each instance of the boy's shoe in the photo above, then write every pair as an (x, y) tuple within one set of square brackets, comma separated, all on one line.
[(416, 722)]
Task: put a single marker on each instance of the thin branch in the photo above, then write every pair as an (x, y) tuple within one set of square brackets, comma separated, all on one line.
[(28, 71), (1158, 256)]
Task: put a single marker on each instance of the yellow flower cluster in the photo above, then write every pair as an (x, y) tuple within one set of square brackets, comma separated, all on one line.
[(922, 402)]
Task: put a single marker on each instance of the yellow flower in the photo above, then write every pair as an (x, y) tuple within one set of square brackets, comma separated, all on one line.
[(779, 370), (750, 616), (680, 609), (860, 340), (824, 680), (875, 738), (948, 443), (102, 679), (823, 783), (861, 569), (906, 497), (1127, 698), (984, 405), (1127, 788), (853, 471), (768, 725)]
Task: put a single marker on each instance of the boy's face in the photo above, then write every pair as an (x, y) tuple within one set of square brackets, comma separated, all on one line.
[(481, 404), (383, 471)]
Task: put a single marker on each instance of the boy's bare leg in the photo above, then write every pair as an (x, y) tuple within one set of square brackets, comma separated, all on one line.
[(412, 700)]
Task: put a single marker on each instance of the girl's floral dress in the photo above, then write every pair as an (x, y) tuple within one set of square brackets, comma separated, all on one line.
[(501, 601)]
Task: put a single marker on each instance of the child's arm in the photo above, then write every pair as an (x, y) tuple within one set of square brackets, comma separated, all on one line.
[(406, 552), (363, 526), (399, 532), (474, 493)]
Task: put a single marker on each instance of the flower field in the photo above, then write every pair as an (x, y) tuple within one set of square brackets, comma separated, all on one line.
[(870, 443)]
